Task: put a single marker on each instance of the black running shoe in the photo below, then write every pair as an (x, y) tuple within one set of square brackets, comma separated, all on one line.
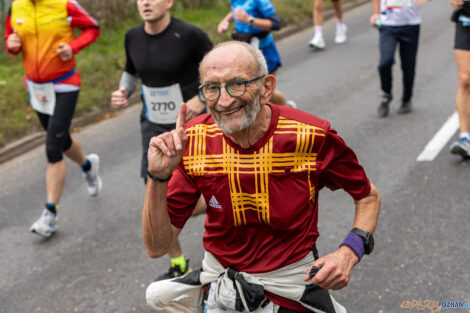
[(384, 103), (405, 107)]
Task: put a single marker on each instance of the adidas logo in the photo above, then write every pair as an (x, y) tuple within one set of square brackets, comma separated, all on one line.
[(214, 203)]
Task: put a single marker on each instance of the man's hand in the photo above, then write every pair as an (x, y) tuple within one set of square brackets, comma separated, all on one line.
[(194, 107), (14, 42), (166, 150), (336, 270), (241, 16), (223, 26), (119, 98), (65, 52), (373, 19), (457, 4)]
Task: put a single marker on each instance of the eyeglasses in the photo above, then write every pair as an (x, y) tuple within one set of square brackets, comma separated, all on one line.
[(236, 88)]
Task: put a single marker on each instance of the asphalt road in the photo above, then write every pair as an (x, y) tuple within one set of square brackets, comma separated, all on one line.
[(96, 262)]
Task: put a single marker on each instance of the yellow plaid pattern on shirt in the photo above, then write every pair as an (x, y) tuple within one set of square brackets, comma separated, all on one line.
[(258, 164)]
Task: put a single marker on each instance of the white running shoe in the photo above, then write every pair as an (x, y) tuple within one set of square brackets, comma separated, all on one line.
[(341, 30), (92, 177), (46, 224), (461, 147), (317, 41), (291, 104)]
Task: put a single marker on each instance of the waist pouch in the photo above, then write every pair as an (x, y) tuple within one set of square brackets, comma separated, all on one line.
[(246, 37)]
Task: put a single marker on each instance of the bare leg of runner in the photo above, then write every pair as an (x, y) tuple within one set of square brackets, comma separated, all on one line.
[(338, 7), (318, 12), (55, 180), (317, 41), (57, 172), (341, 28), (175, 249), (176, 253), (278, 98), (462, 145), (462, 58), (75, 152)]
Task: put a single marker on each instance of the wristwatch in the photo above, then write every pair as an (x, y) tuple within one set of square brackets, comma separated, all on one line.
[(366, 237), (251, 20)]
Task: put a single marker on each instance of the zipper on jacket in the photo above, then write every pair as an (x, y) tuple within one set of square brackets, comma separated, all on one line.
[(37, 40)]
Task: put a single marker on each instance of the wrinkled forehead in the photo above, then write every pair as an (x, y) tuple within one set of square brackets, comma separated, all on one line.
[(227, 62)]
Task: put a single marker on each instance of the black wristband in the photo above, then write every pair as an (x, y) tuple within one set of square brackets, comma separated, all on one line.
[(155, 178)]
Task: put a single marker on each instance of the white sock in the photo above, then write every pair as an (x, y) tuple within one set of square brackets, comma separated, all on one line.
[(465, 135), (318, 30)]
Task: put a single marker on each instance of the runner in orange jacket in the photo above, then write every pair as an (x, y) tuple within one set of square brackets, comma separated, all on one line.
[(43, 31)]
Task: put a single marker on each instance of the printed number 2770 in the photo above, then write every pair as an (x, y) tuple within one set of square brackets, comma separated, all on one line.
[(163, 106)]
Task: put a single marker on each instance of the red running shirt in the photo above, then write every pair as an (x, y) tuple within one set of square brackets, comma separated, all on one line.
[(262, 201)]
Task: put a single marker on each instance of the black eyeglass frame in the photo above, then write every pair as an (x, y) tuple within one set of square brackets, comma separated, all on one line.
[(219, 87)]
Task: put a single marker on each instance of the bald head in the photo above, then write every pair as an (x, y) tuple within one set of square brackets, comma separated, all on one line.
[(237, 86), (235, 55)]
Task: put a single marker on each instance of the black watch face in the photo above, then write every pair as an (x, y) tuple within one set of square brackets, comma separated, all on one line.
[(370, 244), (367, 238)]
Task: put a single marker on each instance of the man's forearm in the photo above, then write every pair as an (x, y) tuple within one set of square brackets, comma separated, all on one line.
[(129, 82), (156, 226), (228, 17), (195, 107), (367, 211), (263, 23), (376, 6)]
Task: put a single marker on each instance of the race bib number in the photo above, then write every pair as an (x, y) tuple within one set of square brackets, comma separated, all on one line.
[(212, 307), (162, 104), (397, 4), (41, 97)]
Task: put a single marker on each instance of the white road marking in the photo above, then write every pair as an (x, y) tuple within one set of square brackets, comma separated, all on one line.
[(440, 139)]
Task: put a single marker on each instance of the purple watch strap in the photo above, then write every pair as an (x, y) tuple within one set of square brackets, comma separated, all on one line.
[(354, 242)]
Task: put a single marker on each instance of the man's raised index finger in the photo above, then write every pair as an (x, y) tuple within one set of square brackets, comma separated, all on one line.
[(181, 116)]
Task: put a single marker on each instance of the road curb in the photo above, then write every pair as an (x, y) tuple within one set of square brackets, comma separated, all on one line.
[(31, 141)]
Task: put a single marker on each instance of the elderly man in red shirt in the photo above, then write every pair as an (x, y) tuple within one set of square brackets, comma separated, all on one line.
[(260, 168)]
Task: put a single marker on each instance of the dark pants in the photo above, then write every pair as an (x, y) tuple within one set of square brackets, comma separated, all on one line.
[(407, 36), (57, 126), (149, 130)]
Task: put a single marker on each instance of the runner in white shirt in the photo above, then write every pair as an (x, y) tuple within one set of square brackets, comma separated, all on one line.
[(318, 41), (399, 24)]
